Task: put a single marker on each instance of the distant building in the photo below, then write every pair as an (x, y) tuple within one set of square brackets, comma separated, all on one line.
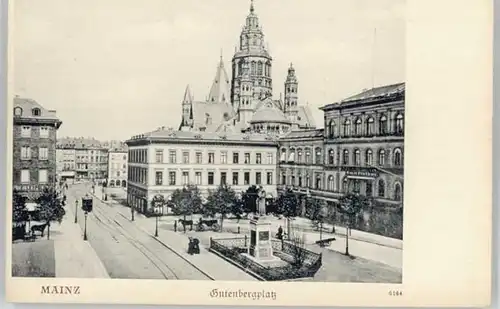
[(165, 160), (87, 158), (34, 147), (117, 167), (66, 162)]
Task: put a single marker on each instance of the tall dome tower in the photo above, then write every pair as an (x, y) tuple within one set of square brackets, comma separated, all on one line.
[(251, 51)]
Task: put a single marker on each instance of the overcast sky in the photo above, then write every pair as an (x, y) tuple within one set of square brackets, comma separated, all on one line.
[(115, 68)]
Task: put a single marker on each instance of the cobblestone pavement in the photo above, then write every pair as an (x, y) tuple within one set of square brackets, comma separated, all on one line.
[(127, 251)]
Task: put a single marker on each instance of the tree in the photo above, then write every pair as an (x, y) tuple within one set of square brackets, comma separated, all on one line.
[(350, 205), (51, 207), (186, 201), (249, 198), (221, 201), (317, 211), (287, 206), (18, 207), (298, 249), (156, 201)]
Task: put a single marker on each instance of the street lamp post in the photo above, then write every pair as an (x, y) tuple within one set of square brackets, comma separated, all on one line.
[(85, 228), (156, 229), (76, 211), (132, 210)]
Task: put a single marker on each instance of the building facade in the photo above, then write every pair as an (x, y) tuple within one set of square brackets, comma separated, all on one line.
[(364, 144), (34, 147), (165, 160), (86, 158), (117, 167), (65, 162)]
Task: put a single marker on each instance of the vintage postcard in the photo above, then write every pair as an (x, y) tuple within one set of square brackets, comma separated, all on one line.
[(249, 152)]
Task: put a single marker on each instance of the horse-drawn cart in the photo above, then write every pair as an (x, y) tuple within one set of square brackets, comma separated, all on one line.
[(208, 224)]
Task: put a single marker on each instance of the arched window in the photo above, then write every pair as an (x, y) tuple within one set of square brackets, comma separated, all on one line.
[(331, 129), (345, 185), (259, 68), (345, 157), (397, 157), (317, 185), (382, 123), (330, 183), (239, 68), (291, 156), (347, 127), (318, 156), (299, 155), (283, 155), (36, 111), (308, 182), (308, 155), (252, 68), (357, 157), (381, 157), (357, 127), (370, 126), (331, 157), (18, 111), (369, 157), (399, 123), (381, 188), (208, 119), (397, 192)]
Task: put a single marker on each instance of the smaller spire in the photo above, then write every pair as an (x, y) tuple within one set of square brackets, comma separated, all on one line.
[(188, 98), (221, 55), (252, 9)]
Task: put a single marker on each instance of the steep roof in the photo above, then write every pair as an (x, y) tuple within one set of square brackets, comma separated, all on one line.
[(29, 105), (219, 92), (210, 116), (305, 118)]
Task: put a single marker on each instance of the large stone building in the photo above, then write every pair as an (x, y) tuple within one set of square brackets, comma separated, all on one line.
[(65, 162), (34, 147), (165, 160)]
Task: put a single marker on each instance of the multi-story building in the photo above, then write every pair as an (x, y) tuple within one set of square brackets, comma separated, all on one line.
[(117, 167), (165, 160), (364, 143), (66, 162), (91, 158), (34, 147)]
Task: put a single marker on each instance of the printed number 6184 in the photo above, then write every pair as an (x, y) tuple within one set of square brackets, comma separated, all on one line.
[(395, 293)]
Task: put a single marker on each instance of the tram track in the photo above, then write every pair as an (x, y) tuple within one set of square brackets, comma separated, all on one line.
[(118, 231)]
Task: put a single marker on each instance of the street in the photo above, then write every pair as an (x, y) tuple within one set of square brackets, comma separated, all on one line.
[(125, 250)]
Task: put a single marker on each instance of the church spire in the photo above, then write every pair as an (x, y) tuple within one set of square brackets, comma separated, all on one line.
[(252, 9), (219, 92), (188, 98)]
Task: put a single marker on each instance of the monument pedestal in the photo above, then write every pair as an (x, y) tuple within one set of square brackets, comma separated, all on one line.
[(260, 248)]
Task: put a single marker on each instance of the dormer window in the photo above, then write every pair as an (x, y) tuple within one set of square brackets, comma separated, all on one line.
[(18, 111), (36, 112)]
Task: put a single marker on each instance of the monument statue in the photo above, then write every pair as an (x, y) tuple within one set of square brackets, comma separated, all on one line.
[(261, 202)]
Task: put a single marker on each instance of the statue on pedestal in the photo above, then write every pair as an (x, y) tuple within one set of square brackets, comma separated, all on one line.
[(261, 202)]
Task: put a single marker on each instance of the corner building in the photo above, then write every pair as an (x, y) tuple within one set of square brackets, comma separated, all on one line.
[(34, 147)]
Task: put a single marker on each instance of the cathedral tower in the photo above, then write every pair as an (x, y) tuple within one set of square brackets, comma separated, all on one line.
[(253, 53), (246, 94), (291, 95), (187, 111)]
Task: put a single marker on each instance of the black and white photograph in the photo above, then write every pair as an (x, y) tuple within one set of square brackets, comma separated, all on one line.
[(237, 148), (201, 143)]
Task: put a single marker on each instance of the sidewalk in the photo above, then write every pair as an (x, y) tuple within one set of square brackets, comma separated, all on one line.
[(75, 258)]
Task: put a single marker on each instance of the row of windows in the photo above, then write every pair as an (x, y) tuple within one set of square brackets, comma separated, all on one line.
[(28, 153), (223, 158), (397, 157), (256, 68), (306, 157), (27, 131), (353, 185), (138, 155), (369, 128), (26, 176), (114, 166), (210, 178)]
